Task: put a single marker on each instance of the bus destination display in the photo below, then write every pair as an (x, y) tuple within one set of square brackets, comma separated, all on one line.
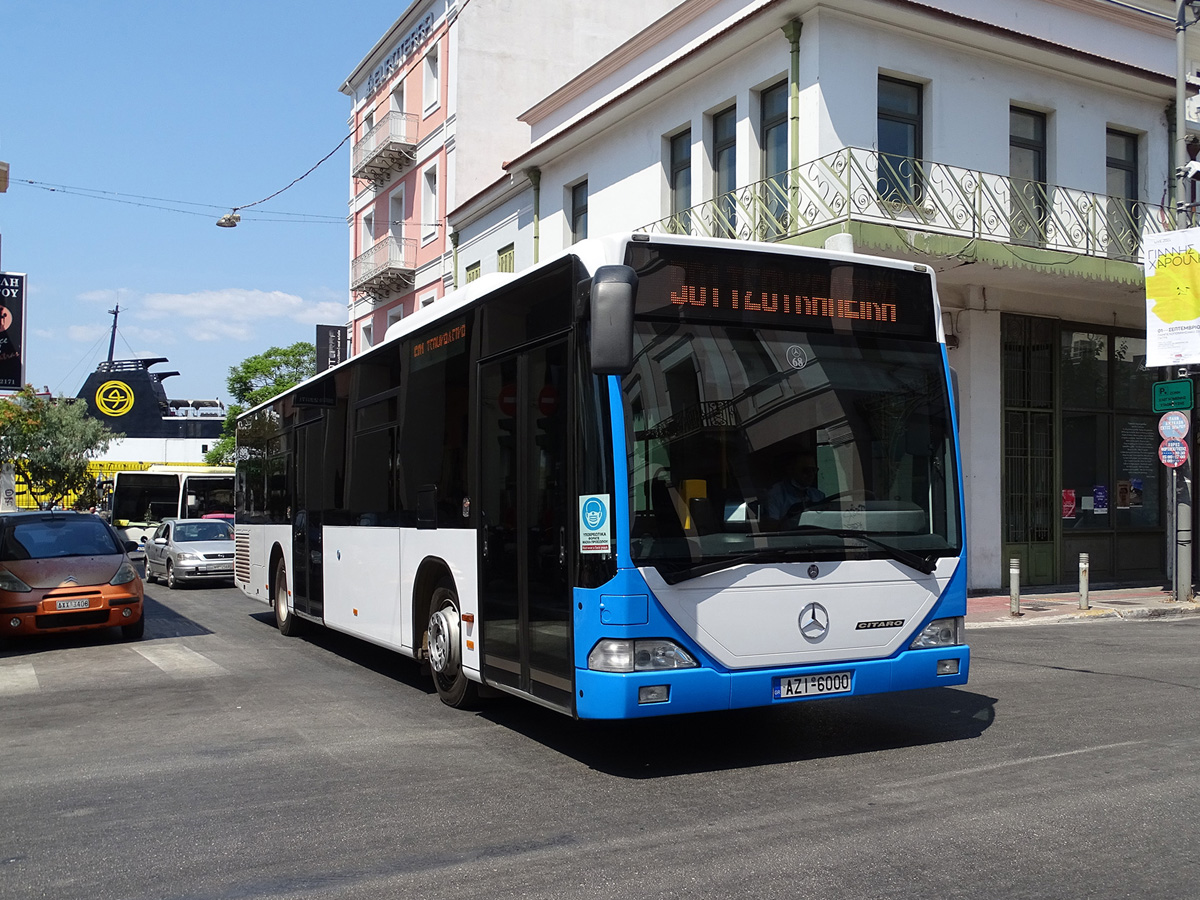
[(782, 291)]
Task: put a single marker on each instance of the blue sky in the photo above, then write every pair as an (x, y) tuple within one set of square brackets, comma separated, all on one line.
[(206, 106)]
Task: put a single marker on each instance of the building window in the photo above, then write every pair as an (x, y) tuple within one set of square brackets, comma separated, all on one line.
[(506, 259), (368, 123), (368, 230), (394, 315), (900, 129), (365, 333), (397, 102), (429, 204), (1027, 175), (680, 180), (472, 272), (427, 299), (579, 211), (433, 92), (774, 113), (1124, 219), (396, 214), (724, 125)]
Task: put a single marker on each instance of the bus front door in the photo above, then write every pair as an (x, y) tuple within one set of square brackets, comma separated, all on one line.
[(525, 523)]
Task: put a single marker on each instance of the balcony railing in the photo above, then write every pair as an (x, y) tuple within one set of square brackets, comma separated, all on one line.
[(866, 186), (388, 147), (388, 266)]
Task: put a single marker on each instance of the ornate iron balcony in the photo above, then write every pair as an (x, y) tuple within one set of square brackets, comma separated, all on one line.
[(388, 266), (856, 185), (388, 147)]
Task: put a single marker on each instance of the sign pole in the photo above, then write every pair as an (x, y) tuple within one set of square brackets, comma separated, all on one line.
[(1183, 517), (1175, 452)]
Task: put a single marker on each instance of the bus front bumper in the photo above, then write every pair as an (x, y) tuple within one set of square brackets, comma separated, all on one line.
[(608, 695)]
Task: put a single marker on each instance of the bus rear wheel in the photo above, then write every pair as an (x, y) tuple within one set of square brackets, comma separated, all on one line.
[(443, 649), (285, 620)]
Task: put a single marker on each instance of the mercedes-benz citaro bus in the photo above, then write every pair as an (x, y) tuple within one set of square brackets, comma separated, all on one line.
[(653, 475)]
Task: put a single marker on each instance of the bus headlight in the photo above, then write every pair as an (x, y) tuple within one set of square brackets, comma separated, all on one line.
[(617, 655), (939, 633)]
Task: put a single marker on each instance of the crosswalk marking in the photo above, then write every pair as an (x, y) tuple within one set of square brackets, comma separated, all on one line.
[(18, 678), (179, 661)]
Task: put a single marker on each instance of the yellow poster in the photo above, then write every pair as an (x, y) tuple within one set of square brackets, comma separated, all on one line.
[(1173, 298)]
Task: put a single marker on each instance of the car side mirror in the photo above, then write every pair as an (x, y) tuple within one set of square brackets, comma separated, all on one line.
[(130, 546), (160, 541)]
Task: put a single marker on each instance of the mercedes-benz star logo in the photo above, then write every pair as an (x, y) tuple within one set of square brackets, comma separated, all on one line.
[(814, 623)]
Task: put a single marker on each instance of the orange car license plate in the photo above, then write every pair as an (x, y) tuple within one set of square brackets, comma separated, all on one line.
[(71, 604)]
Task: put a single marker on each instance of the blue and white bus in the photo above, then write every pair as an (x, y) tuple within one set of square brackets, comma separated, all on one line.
[(653, 475)]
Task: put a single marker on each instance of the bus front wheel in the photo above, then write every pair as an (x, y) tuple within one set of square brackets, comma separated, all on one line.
[(285, 620), (443, 649)]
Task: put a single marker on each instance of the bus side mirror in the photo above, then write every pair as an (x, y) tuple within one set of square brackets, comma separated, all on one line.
[(614, 289)]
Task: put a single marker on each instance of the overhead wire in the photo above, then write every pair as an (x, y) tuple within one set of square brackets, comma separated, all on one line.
[(140, 200)]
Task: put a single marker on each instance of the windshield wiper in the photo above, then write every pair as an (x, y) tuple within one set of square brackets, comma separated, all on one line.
[(775, 554), (923, 564)]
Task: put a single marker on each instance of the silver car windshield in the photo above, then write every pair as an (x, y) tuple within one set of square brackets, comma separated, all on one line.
[(203, 531), (779, 445)]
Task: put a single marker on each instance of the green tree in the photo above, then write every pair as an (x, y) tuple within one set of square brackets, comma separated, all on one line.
[(49, 441), (256, 379)]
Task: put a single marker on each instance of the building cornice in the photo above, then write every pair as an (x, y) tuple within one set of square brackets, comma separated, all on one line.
[(533, 156)]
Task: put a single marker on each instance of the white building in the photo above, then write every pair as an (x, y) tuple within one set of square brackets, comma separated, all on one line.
[(1022, 149)]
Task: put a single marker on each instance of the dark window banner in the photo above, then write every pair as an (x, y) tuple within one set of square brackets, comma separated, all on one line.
[(12, 331), (331, 346)]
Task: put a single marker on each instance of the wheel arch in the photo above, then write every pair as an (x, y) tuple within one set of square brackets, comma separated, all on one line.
[(274, 559), (430, 573)]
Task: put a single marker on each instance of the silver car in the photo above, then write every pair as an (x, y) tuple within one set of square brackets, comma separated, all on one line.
[(188, 550)]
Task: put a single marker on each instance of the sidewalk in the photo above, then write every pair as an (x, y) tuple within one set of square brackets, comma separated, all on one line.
[(1059, 604)]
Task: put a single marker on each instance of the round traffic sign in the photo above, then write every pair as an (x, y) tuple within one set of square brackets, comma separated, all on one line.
[(548, 400), (1173, 424), (507, 401), (1173, 453)]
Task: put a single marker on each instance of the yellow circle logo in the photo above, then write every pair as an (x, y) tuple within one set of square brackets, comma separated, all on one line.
[(114, 398)]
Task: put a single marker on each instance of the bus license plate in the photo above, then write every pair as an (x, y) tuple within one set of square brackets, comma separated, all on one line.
[(812, 685), (71, 604)]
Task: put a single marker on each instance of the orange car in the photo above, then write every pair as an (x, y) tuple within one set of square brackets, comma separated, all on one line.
[(66, 571)]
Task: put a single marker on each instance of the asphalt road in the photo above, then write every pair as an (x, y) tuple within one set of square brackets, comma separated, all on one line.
[(218, 759)]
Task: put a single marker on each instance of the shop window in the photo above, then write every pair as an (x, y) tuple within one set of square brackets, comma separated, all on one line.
[(1084, 367)]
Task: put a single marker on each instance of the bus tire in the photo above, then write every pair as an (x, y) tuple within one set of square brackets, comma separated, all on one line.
[(285, 619), (443, 649)]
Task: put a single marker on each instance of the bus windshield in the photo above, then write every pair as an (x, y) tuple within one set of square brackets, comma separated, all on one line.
[(771, 445)]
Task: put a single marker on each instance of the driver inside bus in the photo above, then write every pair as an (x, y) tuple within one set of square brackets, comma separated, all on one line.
[(795, 492)]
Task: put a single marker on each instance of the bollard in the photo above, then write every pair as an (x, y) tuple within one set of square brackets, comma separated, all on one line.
[(1014, 586), (1083, 581)]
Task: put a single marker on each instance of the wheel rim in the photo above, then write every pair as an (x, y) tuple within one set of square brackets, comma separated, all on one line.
[(281, 607), (170, 575), (443, 639)]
